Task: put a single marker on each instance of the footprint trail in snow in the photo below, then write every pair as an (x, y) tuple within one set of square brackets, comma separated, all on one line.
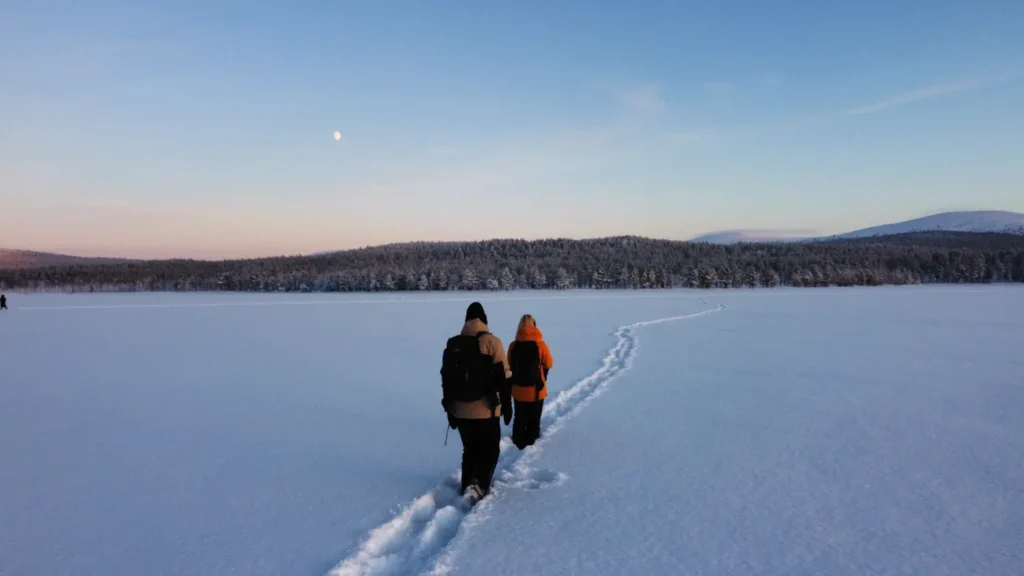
[(425, 535)]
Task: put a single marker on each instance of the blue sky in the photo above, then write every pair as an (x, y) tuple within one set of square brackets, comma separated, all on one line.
[(194, 128)]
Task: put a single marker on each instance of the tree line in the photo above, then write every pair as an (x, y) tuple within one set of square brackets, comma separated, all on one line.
[(562, 264)]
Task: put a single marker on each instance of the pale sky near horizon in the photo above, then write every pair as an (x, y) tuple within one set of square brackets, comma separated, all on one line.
[(205, 129)]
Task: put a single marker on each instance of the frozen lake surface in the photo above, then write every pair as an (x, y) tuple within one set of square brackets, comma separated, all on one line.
[(827, 431)]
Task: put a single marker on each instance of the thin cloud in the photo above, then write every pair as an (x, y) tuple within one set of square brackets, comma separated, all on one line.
[(924, 94), (635, 99), (645, 98)]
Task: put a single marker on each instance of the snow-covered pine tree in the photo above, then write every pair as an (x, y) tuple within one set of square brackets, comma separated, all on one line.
[(817, 276), (469, 279), (649, 279), (752, 278), (738, 276), (1017, 267), (507, 281), (562, 280), (693, 278), (540, 280), (999, 272), (600, 279), (708, 277), (724, 276), (624, 277), (979, 270)]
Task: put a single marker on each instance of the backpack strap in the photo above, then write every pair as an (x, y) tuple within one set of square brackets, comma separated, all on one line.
[(494, 388)]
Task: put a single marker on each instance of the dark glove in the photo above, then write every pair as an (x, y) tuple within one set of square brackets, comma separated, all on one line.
[(506, 404), (453, 422)]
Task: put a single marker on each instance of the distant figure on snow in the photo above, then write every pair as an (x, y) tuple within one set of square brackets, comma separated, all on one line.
[(530, 360), (3, 302), (474, 383)]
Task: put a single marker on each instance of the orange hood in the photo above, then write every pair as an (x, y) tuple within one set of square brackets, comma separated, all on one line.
[(529, 334)]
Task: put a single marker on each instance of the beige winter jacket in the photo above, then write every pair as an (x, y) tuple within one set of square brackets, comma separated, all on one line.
[(492, 346)]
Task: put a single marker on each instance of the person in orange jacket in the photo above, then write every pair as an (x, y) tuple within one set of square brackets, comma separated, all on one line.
[(530, 360)]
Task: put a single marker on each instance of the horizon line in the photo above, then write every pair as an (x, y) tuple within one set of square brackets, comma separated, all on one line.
[(780, 234)]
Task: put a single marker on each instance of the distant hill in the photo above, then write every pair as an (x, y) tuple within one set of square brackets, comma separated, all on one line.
[(734, 236), (974, 221), (18, 259), (970, 221), (618, 262)]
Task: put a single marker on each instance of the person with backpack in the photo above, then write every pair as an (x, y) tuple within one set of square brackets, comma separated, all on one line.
[(530, 360), (474, 384)]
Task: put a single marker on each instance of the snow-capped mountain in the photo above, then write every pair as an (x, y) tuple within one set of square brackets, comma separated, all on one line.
[(974, 221), (970, 221)]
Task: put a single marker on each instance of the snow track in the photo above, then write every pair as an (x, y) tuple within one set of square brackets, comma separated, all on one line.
[(426, 535)]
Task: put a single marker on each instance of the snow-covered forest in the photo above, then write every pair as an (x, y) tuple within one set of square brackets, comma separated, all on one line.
[(621, 262)]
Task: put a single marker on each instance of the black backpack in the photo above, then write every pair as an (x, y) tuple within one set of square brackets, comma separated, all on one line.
[(525, 364), (466, 372)]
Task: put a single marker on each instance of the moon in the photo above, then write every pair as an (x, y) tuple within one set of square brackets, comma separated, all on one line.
[(337, 135)]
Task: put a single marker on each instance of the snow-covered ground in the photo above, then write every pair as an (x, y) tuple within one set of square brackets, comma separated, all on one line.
[(870, 431)]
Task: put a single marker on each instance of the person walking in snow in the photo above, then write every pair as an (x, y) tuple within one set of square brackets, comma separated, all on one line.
[(474, 383), (530, 360), (3, 302)]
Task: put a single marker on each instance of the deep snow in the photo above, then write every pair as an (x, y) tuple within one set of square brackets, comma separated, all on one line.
[(804, 431), (831, 432)]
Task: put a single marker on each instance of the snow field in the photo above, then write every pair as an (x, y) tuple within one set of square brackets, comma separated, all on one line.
[(825, 431), (828, 432), (411, 540), (207, 434)]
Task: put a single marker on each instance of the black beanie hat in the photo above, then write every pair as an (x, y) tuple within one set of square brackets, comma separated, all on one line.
[(476, 311)]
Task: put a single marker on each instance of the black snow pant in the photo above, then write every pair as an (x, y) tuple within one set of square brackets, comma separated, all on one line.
[(526, 423), (480, 450)]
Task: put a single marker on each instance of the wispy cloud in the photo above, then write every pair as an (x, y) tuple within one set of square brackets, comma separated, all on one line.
[(539, 164), (645, 98), (927, 93)]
